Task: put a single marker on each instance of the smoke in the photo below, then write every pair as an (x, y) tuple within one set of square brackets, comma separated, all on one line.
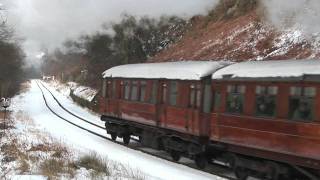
[(303, 15), (47, 23)]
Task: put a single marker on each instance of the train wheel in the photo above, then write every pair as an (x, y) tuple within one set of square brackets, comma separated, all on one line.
[(113, 136), (175, 155), (126, 139), (201, 161), (241, 173)]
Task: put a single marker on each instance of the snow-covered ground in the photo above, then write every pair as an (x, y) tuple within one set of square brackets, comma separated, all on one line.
[(83, 142)]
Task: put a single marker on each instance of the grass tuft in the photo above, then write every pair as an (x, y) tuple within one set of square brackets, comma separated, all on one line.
[(93, 162), (52, 167)]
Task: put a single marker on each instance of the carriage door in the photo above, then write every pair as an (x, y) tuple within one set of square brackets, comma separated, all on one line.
[(112, 98), (195, 94), (205, 117), (162, 103), (103, 97)]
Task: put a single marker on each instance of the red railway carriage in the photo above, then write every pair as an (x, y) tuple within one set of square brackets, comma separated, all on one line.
[(161, 103), (261, 118), (270, 110)]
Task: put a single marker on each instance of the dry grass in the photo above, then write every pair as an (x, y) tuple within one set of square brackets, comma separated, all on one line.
[(52, 167), (121, 171), (23, 166), (101, 167), (35, 152), (11, 151), (94, 162)]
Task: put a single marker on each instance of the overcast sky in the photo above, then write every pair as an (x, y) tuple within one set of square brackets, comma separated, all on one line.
[(47, 23)]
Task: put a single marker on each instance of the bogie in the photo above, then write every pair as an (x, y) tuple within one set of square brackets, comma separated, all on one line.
[(113, 136), (126, 139)]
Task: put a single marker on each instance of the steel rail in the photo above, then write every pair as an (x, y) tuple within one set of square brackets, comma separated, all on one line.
[(127, 146)]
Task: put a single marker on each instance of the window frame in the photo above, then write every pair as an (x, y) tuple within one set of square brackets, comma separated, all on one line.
[(164, 93), (301, 96), (174, 93), (126, 90), (217, 99), (270, 91), (114, 93), (134, 84), (207, 102), (195, 95), (238, 90), (142, 85), (104, 88), (154, 92)]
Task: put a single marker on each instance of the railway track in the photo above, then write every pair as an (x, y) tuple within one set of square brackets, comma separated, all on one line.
[(75, 115), (214, 169)]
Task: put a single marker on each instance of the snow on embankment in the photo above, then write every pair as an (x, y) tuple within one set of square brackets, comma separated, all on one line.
[(84, 92)]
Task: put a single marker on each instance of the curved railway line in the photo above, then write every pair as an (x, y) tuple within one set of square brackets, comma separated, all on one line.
[(214, 169)]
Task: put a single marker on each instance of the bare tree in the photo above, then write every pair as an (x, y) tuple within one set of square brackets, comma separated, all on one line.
[(11, 59)]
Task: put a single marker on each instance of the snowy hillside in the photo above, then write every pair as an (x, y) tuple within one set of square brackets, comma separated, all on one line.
[(248, 36)]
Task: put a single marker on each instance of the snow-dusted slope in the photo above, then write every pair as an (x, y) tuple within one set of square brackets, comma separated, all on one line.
[(246, 37)]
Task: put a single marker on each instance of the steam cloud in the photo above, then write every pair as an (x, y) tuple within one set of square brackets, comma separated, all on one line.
[(47, 23), (300, 14)]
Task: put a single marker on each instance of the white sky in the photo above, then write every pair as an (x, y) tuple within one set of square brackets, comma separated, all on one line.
[(47, 23)]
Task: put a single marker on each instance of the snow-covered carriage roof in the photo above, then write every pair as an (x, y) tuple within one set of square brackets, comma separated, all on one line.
[(270, 69), (184, 70)]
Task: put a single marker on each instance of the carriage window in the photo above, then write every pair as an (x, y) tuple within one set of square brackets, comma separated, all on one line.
[(173, 93), (154, 92), (217, 100), (198, 101), (207, 98), (109, 89), (266, 100), (195, 96), (114, 89), (134, 91), (235, 98), (126, 90), (192, 96), (104, 88), (301, 103), (143, 85), (164, 93)]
